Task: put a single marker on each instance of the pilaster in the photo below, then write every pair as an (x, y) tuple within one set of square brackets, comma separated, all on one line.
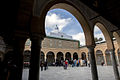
[(114, 63), (93, 62)]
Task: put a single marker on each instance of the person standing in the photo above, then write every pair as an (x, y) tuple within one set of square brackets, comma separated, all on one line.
[(88, 63), (66, 63), (45, 65), (85, 62), (41, 65), (102, 63)]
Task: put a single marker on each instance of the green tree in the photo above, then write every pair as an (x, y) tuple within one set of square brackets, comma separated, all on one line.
[(98, 39)]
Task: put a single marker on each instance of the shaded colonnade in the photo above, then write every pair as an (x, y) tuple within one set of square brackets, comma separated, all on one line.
[(88, 33), (50, 58), (108, 57), (75, 56), (83, 56), (99, 57), (68, 56), (60, 56), (110, 46)]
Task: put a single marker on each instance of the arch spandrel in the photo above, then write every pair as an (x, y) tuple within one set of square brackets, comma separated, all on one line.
[(79, 17), (72, 8)]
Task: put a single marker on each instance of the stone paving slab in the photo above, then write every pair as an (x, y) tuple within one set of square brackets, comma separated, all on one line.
[(73, 73)]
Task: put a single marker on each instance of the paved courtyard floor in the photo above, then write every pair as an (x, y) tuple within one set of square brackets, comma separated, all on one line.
[(73, 73)]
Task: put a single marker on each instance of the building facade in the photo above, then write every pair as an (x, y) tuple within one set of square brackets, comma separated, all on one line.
[(27, 20), (60, 48)]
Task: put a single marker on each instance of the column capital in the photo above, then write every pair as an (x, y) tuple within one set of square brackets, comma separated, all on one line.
[(36, 36), (91, 46)]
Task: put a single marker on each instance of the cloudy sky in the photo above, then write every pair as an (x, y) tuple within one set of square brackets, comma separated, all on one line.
[(68, 24)]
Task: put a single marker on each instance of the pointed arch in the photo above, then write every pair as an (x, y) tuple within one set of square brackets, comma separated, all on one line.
[(70, 7), (99, 57), (106, 34), (50, 58)]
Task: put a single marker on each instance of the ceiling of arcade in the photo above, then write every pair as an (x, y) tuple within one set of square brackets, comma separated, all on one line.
[(30, 17), (109, 9)]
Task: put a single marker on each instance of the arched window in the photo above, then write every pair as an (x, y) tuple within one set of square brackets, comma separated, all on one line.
[(108, 57), (75, 56), (68, 56), (83, 56), (50, 58), (99, 57), (60, 56)]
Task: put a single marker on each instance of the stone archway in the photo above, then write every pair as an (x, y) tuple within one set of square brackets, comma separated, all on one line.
[(50, 58), (75, 7), (117, 37), (60, 56), (75, 56), (70, 6), (110, 52), (99, 57), (83, 56), (108, 57), (68, 56), (106, 35)]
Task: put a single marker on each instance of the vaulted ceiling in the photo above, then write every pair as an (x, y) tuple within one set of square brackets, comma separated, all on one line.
[(109, 9)]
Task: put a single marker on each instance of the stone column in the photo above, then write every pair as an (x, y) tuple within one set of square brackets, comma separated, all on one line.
[(93, 63), (71, 56), (117, 58), (104, 55), (114, 63), (64, 56), (45, 57), (55, 56), (36, 41), (16, 63)]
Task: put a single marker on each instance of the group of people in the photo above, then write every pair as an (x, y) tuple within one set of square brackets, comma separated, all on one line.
[(43, 65), (72, 63), (79, 62), (65, 63)]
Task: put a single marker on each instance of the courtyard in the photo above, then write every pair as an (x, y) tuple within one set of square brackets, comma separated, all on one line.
[(73, 73)]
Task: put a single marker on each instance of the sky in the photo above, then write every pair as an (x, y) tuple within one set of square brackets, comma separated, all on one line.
[(67, 24)]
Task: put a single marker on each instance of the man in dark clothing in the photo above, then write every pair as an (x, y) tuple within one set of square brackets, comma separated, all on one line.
[(85, 62), (45, 65), (41, 65)]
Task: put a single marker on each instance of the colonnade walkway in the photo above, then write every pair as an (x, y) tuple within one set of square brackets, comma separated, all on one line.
[(73, 73)]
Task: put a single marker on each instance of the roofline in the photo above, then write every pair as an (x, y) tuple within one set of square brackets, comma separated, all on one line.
[(61, 38)]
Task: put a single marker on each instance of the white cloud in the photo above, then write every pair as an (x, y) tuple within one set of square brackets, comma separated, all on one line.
[(96, 29), (52, 20), (80, 36), (98, 33)]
